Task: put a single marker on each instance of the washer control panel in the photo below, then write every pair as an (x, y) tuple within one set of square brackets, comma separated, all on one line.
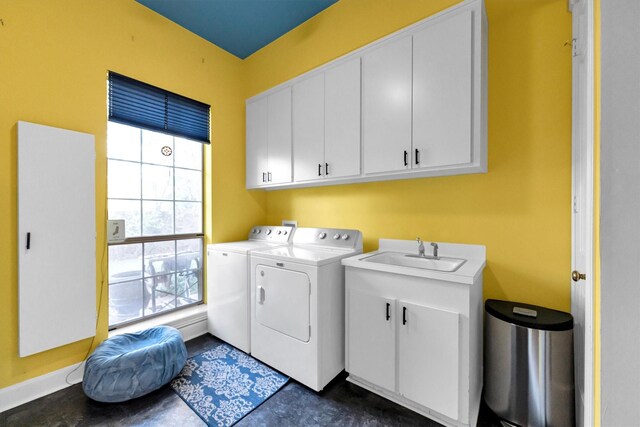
[(281, 234)]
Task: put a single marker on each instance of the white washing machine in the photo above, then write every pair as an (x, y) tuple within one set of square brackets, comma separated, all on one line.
[(228, 283), (297, 304)]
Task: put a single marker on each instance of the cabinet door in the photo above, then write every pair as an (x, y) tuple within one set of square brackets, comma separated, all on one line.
[(442, 78), (257, 143), (56, 237), (387, 107), (308, 129), (279, 136), (342, 120), (371, 338), (428, 345)]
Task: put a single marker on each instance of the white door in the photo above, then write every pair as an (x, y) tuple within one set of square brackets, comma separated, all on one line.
[(57, 237), (342, 120), (228, 298), (371, 338), (582, 209), (256, 143), (442, 107), (387, 107), (279, 136), (282, 301), (308, 129), (428, 353)]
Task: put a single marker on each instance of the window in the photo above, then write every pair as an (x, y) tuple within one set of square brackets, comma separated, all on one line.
[(155, 185)]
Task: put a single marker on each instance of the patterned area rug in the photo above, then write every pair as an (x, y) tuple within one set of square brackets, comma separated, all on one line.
[(224, 384)]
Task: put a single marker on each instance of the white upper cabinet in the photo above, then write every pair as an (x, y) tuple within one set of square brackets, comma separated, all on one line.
[(442, 92), (386, 105), (257, 143), (342, 120), (268, 143), (279, 136), (411, 105), (308, 129)]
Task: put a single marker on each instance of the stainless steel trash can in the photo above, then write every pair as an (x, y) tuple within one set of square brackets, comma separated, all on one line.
[(528, 371)]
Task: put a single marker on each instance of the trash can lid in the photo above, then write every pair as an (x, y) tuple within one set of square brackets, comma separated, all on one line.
[(545, 318)]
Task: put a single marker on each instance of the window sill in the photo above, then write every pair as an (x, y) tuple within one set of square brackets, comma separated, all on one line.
[(178, 319)]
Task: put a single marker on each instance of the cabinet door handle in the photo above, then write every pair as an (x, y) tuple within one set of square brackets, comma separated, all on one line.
[(264, 177), (417, 156), (269, 176), (388, 311), (406, 153), (404, 315), (319, 169), (28, 240), (326, 168)]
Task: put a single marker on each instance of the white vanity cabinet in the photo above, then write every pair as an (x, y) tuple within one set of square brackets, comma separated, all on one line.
[(326, 124), (269, 139), (414, 335)]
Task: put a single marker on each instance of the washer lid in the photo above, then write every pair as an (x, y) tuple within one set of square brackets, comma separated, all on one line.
[(545, 318), (305, 255), (243, 246)]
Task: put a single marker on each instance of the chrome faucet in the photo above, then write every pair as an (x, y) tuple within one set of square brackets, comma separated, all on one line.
[(420, 247), (435, 250)]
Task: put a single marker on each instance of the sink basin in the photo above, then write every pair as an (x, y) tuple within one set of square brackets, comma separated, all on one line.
[(403, 260)]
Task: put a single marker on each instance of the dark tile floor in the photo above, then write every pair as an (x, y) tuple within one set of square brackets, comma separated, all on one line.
[(339, 404)]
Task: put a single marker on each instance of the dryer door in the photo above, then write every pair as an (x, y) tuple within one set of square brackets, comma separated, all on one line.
[(282, 301)]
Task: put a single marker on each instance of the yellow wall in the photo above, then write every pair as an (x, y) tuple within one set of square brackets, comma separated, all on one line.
[(53, 69), (520, 209)]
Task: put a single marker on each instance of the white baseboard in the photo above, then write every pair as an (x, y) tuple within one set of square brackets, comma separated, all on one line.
[(191, 324), (26, 391)]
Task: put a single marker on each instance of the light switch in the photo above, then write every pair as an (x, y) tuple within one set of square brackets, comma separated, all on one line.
[(115, 231)]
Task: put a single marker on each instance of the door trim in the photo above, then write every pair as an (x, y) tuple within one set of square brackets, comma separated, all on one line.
[(588, 126)]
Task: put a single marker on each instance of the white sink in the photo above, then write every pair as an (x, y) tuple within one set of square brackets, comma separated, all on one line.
[(405, 260)]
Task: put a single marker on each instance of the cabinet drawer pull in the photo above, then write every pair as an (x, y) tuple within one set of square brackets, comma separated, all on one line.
[(326, 168), (404, 315), (28, 240), (406, 162), (388, 311), (319, 169), (264, 177), (269, 176), (417, 156)]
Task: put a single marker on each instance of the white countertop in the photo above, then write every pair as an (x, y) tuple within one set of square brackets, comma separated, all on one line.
[(475, 256)]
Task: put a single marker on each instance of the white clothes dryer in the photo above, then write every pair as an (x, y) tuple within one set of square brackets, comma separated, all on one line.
[(297, 304), (228, 304)]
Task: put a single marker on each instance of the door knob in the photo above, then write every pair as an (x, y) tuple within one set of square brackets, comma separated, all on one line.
[(576, 275)]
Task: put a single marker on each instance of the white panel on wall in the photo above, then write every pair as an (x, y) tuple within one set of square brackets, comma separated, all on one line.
[(56, 237)]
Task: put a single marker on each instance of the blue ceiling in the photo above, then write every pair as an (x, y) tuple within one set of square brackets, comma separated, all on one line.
[(240, 27)]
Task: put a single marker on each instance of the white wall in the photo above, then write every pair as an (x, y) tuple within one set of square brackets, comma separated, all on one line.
[(620, 213)]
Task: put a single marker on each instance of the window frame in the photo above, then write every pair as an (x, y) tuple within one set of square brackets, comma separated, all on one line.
[(160, 238)]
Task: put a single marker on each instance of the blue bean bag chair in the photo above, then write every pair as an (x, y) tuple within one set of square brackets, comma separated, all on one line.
[(127, 366)]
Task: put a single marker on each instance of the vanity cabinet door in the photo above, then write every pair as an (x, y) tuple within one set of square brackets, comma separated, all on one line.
[(442, 92), (257, 164), (342, 120), (371, 343), (308, 129), (428, 352), (387, 107)]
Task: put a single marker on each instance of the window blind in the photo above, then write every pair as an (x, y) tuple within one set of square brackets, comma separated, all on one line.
[(135, 103)]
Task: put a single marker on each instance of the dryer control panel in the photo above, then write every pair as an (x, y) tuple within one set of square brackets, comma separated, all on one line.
[(271, 233), (329, 237)]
